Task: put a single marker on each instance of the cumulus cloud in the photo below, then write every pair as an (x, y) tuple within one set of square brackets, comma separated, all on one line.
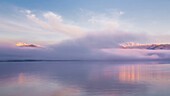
[(21, 44), (54, 22)]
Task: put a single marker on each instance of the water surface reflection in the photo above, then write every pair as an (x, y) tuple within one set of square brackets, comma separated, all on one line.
[(84, 79)]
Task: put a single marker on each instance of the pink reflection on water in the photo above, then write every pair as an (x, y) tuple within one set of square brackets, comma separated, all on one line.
[(21, 78), (132, 73), (149, 73), (30, 85)]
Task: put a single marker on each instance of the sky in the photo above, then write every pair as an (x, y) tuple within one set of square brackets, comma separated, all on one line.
[(82, 29)]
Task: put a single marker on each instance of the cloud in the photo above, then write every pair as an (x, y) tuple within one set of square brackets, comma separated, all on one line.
[(40, 24), (121, 12), (98, 43), (21, 44), (54, 22), (90, 47), (51, 16), (111, 39), (37, 26), (110, 19), (28, 11)]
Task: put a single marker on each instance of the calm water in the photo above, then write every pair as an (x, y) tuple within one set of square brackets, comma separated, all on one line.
[(84, 79)]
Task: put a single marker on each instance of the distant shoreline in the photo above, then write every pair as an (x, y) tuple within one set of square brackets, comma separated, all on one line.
[(135, 60)]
